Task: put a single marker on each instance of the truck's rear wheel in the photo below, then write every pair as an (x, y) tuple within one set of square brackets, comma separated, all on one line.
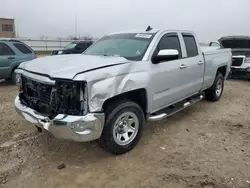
[(123, 127), (215, 91)]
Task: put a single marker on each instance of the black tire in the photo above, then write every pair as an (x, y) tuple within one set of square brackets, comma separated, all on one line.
[(212, 93), (13, 77), (112, 113)]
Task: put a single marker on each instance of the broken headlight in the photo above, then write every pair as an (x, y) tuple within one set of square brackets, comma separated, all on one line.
[(70, 97), (18, 78)]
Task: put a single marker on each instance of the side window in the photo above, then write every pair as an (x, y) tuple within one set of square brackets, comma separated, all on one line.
[(24, 49), (191, 45), (170, 41), (5, 50), (83, 45)]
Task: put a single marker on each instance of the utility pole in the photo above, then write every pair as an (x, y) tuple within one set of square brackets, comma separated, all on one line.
[(75, 26)]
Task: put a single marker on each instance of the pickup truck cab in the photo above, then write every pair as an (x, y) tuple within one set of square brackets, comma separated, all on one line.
[(240, 46), (119, 83)]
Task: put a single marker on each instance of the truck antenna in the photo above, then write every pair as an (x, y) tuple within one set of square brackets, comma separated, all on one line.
[(149, 28)]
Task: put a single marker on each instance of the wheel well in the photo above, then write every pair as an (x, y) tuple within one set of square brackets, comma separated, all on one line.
[(14, 68), (138, 96), (222, 70)]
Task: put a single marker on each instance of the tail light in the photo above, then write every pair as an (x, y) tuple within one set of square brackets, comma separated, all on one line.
[(35, 56)]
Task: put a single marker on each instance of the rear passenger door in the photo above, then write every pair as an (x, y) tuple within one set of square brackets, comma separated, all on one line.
[(194, 65)]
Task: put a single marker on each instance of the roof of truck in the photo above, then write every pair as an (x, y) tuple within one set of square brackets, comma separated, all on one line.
[(136, 31), (153, 31)]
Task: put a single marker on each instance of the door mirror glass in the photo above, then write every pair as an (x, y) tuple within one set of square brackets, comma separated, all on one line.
[(166, 55)]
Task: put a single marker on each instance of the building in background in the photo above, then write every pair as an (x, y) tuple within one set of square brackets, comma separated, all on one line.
[(7, 28)]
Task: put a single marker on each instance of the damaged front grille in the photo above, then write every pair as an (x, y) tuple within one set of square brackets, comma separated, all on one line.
[(65, 97)]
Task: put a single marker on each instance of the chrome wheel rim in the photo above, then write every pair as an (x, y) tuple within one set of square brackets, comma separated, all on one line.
[(126, 128), (218, 90)]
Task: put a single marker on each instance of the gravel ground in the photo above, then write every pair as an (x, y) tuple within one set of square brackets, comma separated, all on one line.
[(205, 146)]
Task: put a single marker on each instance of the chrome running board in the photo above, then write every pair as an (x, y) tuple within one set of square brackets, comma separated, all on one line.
[(166, 112)]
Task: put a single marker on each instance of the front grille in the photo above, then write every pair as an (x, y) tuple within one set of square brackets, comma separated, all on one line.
[(237, 61), (38, 96), (50, 100)]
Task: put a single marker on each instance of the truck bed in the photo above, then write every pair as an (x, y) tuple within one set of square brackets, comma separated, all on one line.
[(208, 50), (215, 57)]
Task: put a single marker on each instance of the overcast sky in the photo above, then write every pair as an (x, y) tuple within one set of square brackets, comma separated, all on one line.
[(210, 19)]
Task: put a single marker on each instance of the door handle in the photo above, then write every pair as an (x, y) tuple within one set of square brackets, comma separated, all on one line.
[(11, 58), (200, 62), (183, 66)]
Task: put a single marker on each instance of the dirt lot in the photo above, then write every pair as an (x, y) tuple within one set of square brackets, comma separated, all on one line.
[(206, 145)]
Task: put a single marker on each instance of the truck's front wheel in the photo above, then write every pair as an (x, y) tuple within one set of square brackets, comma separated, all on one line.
[(123, 127)]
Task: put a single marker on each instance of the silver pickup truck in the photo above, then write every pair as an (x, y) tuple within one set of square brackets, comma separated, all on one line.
[(119, 83)]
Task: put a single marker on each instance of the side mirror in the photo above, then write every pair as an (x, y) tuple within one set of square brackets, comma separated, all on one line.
[(166, 55), (215, 44)]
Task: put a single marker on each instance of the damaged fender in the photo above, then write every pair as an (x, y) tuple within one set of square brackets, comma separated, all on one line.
[(108, 82)]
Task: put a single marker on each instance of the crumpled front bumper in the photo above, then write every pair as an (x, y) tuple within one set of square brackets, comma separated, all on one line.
[(76, 128)]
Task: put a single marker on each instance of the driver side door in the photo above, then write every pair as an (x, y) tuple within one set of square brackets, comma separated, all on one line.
[(166, 77)]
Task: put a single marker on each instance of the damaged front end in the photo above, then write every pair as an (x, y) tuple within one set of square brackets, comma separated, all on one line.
[(59, 107), (63, 97)]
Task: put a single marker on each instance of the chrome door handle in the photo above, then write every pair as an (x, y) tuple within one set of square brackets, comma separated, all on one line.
[(200, 62), (183, 66)]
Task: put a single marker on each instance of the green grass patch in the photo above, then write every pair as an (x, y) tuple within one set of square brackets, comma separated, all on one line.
[(43, 52)]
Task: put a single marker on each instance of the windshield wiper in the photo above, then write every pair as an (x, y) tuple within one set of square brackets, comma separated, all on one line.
[(112, 55)]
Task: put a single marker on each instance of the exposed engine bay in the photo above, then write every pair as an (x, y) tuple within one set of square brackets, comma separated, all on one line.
[(65, 97)]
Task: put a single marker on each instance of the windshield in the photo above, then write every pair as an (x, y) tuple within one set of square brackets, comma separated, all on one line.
[(70, 46), (131, 46), (236, 43)]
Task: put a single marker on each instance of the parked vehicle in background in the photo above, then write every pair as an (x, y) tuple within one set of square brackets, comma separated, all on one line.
[(118, 83), (12, 54), (76, 47), (240, 46)]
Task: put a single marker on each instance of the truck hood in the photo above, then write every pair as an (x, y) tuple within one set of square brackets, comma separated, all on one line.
[(67, 66), (235, 42)]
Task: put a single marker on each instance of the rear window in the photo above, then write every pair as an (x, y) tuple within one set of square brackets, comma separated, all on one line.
[(191, 45), (83, 45), (24, 49), (71, 45)]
